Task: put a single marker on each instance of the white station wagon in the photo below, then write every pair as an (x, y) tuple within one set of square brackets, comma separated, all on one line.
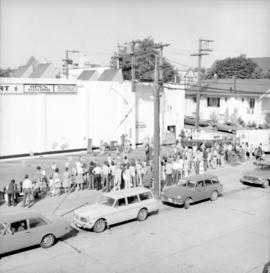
[(115, 207)]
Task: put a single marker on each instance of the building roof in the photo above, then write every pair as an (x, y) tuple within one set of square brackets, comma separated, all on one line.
[(109, 75), (20, 71), (39, 70), (231, 87), (86, 75), (263, 62)]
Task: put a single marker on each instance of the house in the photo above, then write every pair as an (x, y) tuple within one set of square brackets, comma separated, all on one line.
[(231, 100), (263, 63), (34, 69)]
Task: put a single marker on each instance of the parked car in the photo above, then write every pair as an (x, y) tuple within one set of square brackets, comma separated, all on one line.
[(193, 189), (26, 229), (115, 207), (259, 176), (228, 127), (189, 120)]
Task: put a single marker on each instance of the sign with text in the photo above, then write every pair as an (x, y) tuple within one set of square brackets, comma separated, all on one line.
[(38, 88), (65, 88), (11, 88)]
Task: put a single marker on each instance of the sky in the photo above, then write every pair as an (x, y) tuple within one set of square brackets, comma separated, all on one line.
[(45, 29)]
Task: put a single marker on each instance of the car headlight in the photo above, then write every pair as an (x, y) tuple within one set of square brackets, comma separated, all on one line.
[(89, 219)]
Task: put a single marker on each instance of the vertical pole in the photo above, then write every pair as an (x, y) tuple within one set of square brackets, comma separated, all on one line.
[(66, 64), (132, 66), (156, 131), (199, 85)]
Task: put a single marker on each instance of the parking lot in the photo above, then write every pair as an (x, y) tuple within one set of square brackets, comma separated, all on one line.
[(230, 234)]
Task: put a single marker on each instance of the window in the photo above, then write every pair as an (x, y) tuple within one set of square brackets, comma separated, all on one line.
[(252, 103), (213, 102), (145, 196), (18, 226), (199, 184), (120, 202), (215, 180), (105, 200), (36, 222), (208, 182), (132, 199)]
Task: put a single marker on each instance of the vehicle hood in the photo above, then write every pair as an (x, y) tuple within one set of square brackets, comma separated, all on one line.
[(174, 191), (93, 210), (257, 173)]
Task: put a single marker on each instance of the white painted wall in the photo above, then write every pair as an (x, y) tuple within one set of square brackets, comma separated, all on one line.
[(39, 122), (227, 108)]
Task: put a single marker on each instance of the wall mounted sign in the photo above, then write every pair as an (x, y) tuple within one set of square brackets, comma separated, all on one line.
[(11, 88), (38, 88)]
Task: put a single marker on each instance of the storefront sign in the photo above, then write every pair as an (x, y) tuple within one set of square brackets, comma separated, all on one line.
[(65, 88), (11, 88), (38, 88)]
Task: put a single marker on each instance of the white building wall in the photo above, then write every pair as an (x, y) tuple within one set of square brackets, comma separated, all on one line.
[(40, 122), (229, 108)]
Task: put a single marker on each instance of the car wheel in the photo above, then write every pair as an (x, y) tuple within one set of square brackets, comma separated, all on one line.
[(265, 184), (100, 225), (142, 215), (214, 196), (187, 203), (47, 241)]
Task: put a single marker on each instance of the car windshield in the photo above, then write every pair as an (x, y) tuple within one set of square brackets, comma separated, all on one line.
[(187, 183), (105, 200)]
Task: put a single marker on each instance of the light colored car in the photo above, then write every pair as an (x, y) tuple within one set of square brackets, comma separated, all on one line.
[(259, 176), (193, 189), (116, 207), (26, 229)]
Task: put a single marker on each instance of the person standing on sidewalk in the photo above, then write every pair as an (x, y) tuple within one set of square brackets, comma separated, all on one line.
[(11, 192), (27, 191)]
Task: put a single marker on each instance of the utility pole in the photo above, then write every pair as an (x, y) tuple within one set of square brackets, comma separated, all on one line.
[(158, 87), (203, 47), (68, 61)]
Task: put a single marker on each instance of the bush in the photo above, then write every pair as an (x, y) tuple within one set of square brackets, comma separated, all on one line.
[(241, 121)]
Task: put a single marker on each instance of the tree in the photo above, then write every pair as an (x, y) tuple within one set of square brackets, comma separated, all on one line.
[(145, 53), (5, 73), (239, 67)]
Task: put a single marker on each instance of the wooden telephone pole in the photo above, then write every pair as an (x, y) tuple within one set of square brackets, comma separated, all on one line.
[(203, 46), (158, 87)]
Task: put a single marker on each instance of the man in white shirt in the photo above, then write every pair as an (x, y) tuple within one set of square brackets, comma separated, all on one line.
[(27, 190), (97, 177)]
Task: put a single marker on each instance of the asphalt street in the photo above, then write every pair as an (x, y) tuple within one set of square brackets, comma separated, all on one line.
[(231, 234)]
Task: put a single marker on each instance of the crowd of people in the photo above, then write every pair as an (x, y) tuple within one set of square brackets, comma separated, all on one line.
[(122, 172)]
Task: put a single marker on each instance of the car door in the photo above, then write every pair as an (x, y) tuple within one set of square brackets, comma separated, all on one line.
[(199, 193), (17, 238), (133, 206), (120, 213), (209, 188), (38, 227)]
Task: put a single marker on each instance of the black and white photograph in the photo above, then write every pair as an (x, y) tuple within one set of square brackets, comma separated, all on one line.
[(134, 136)]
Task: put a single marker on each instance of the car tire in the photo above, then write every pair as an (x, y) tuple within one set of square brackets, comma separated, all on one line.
[(142, 215), (100, 226), (265, 184), (214, 196), (47, 241), (187, 203)]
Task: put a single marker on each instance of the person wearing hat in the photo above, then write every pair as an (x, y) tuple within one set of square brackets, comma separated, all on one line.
[(11, 192)]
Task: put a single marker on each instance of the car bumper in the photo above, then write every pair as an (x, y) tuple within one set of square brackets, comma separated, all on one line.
[(171, 200), (79, 224)]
